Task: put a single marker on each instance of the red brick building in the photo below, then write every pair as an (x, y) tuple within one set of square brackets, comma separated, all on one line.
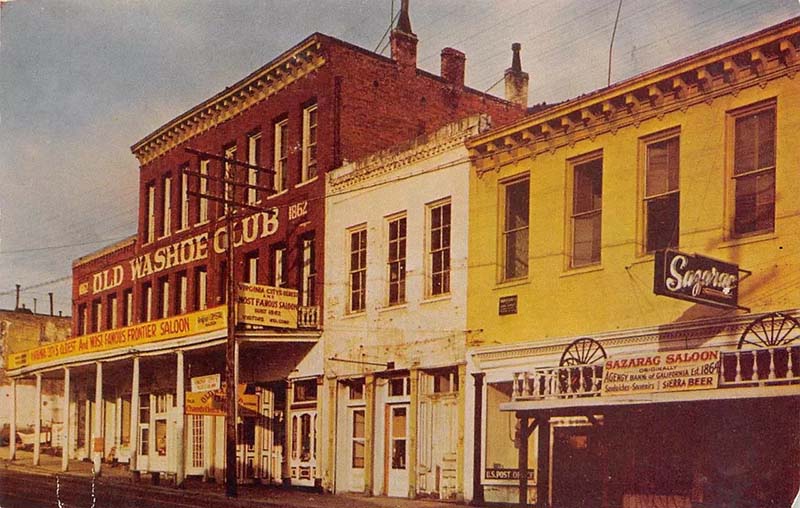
[(320, 103)]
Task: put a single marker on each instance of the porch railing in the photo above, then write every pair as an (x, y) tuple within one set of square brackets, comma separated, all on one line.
[(308, 317), (761, 366), (765, 366)]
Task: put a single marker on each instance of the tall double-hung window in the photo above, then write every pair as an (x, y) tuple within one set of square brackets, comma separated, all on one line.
[(587, 211), (754, 169), (150, 222), (253, 159), (202, 208), (439, 248), (358, 269), (516, 221), (661, 192), (309, 142), (281, 155), (396, 262), (166, 208), (229, 173)]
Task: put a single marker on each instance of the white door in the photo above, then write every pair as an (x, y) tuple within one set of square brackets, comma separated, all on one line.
[(270, 459), (303, 461), (356, 459), (195, 436), (246, 449), (142, 459), (397, 450), (444, 425)]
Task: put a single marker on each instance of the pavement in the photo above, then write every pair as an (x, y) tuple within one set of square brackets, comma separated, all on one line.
[(196, 491)]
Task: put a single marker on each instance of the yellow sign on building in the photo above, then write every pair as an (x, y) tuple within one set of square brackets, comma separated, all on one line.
[(144, 333), (212, 402), (267, 306)]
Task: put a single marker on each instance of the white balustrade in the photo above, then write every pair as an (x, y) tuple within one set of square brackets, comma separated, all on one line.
[(778, 365)]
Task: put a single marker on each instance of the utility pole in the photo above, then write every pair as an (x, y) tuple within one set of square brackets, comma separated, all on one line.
[(228, 199)]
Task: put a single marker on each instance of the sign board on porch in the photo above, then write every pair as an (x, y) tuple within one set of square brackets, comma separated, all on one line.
[(507, 474), (672, 371), (212, 402), (206, 383), (175, 327), (267, 306), (696, 278)]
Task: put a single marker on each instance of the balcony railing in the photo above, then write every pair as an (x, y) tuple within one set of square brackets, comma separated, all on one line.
[(765, 366), (762, 366), (558, 382), (308, 317)]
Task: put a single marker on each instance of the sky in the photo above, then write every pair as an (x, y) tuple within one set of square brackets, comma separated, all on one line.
[(83, 80)]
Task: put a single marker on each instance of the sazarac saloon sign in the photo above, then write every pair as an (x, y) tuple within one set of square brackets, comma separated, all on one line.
[(696, 278)]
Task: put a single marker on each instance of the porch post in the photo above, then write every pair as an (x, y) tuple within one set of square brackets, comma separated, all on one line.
[(543, 463), (413, 432), (522, 436), (65, 444), (180, 466), (236, 382), (12, 435), (477, 448), (460, 416), (286, 470), (97, 443), (134, 423), (37, 420), (369, 433)]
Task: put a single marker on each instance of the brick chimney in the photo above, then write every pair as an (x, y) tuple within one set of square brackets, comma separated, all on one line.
[(516, 80), (404, 41), (453, 66)]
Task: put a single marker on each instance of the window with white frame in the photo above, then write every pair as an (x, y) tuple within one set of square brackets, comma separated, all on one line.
[(754, 169), (278, 263), (251, 267), (97, 315), (202, 208), (147, 302), (181, 293), (358, 269), (516, 220), (253, 158), (587, 208), (201, 288), (184, 210), (166, 219), (127, 317), (396, 262), (309, 142), (439, 248), (163, 297), (308, 275), (281, 155), (83, 321), (229, 174), (150, 223), (359, 438), (661, 193), (111, 312)]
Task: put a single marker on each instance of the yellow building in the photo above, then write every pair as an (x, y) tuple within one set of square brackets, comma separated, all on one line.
[(578, 214)]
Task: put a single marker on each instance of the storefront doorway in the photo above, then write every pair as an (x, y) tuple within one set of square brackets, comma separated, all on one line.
[(576, 466), (397, 450)]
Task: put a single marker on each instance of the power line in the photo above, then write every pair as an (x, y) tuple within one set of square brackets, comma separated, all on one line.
[(41, 284), (63, 246)]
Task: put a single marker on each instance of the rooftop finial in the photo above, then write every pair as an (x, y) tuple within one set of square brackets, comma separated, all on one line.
[(404, 22), (516, 65)]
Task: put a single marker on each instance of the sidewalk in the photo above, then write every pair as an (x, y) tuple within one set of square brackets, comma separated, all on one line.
[(199, 491)]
